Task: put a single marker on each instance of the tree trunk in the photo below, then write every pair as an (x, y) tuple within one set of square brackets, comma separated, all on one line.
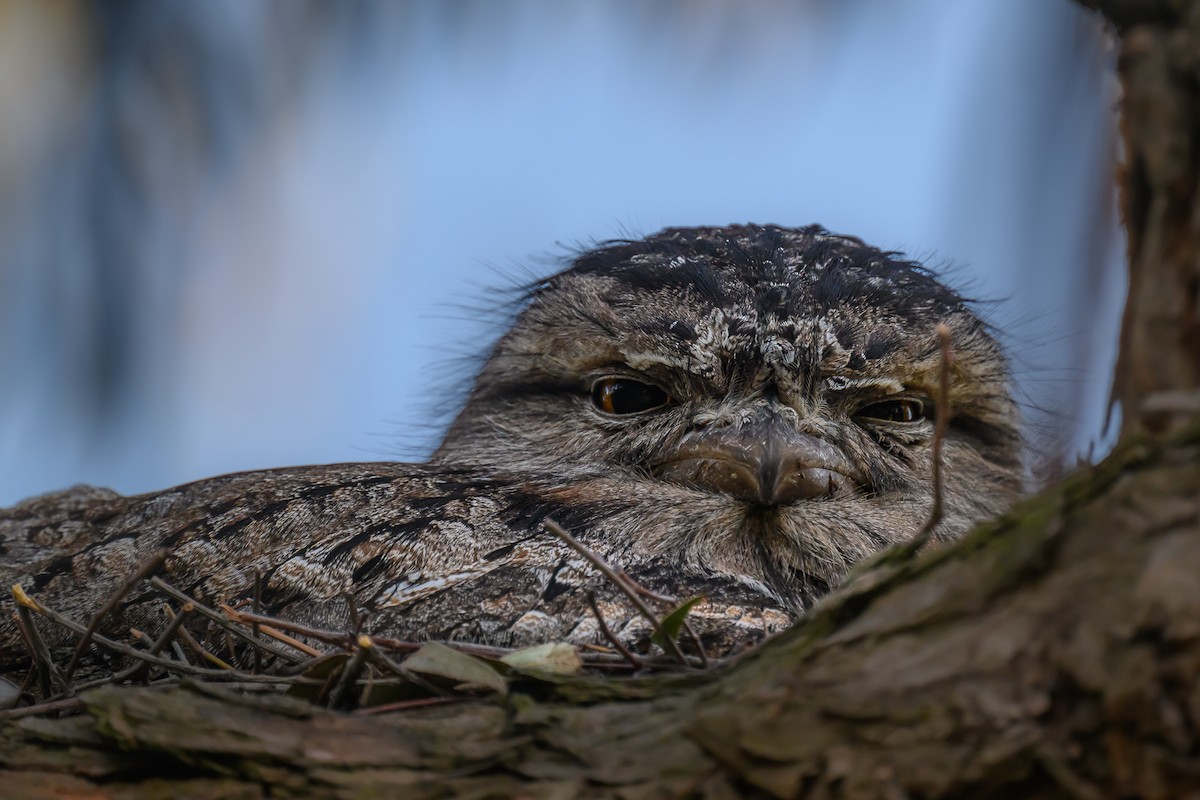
[(1159, 365), (1052, 653)]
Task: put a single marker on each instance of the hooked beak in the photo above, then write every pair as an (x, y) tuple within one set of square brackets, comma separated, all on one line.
[(768, 463)]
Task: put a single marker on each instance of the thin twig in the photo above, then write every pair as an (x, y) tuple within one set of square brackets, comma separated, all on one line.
[(486, 651), (43, 662), (615, 577), (673, 601), (941, 419), (222, 620), (126, 650), (351, 671), (180, 654), (283, 638), (93, 625), (645, 592), (379, 658), (607, 661), (352, 610), (139, 670), (599, 660), (619, 665), (608, 634), (186, 636), (691, 632), (34, 660), (327, 684), (404, 705), (254, 625), (26, 684), (340, 639), (80, 688), (50, 707)]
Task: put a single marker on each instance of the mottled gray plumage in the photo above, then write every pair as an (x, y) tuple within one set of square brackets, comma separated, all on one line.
[(739, 412)]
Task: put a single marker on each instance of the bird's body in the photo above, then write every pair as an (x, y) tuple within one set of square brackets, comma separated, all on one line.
[(741, 413), (429, 552)]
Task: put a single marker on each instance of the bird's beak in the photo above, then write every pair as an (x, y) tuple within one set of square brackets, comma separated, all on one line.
[(767, 463)]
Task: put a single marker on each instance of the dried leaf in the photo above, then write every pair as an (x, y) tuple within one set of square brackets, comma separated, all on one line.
[(437, 659), (10, 693), (556, 658)]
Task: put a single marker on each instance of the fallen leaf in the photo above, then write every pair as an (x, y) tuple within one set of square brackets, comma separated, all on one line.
[(556, 658), (437, 659)]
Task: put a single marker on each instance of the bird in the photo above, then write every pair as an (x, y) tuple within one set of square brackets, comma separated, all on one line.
[(739, 414)]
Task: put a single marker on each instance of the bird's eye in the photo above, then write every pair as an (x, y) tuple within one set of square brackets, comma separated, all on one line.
[(898, 410), (625, 396)]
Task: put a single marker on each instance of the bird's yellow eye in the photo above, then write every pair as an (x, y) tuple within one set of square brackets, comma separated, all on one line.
[(904, 410), (624, 396)]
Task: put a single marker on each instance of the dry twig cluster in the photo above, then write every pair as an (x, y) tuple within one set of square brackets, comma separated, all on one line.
[(348, 669)]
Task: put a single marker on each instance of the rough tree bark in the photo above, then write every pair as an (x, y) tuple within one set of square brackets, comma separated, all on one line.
[(1053, 653), (1159, 364)]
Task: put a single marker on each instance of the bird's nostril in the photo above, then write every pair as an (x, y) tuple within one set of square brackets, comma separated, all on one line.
[(769, 465), (725, 475), (807, 483)]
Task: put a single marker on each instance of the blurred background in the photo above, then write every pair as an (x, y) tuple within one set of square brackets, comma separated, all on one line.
[(251, 233)]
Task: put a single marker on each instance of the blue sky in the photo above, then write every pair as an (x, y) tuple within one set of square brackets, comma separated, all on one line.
[(299, 297)]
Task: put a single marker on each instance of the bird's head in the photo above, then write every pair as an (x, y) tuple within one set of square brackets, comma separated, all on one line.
[(771, 389)]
